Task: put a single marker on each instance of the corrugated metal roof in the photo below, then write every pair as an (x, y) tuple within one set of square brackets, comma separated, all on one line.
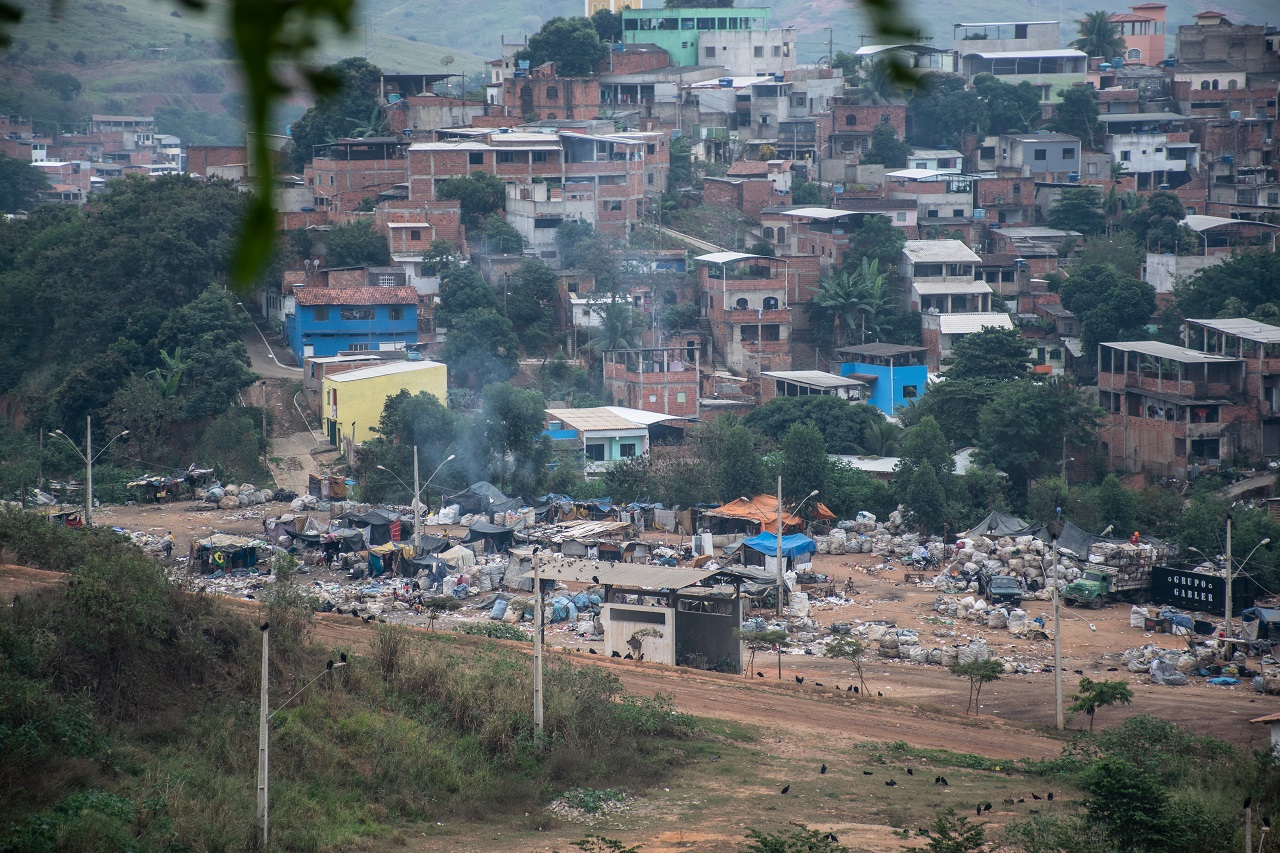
[(383, 370), (1200, 222), (818, 212), (1171, 352), (939, 251), (963, 324), (1124, 117), (928, 288), (593, 420), (816, 378), (1251, 330), (1058, 53), (730, 257), (397, 295), (619, 574)]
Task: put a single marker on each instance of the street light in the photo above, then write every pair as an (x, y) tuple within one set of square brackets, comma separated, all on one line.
[(89, 457), (778, 555), (1230, 572), (417, 494), (264, 718)]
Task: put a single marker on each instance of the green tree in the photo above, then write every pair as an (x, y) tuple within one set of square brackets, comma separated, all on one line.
[(926, 499), (955, 405), (882, 438), (514, 420), (531, 304), (979, 672), (799, 840), (1094, 695), (67, 86), (804, 460), (355, 244), (1078, 210), (499, 236), (850, 491), (1116, 504), (924, 443), (1129, 803), (1023, 426), (886, 149), (944, 109), (1077, 114), (571, 43), (1111, 306), (873, 82), (1248, 278), (20, 184), (344, 107), (843, 426), (850, 648), (806, 192), (1157, 225), (992, 353), (479, 193), (608, 25), (1010, 108), (1100, 36), (481, 347), (208, 331), (741, 471), (1118, 249), (619, 328), (953, 833), (140, 407), (462, 292), (876, 239)]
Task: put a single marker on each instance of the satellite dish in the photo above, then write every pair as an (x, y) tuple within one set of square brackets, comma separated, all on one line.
[(446, 60)]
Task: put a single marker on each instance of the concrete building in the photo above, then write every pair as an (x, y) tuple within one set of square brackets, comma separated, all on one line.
[(809, 383), (604, 435), (1044, 156), (352, 401), (1018, 51), (680, 32), (664, 380), (939, 332), (333, 320), (1258, 345), (1155, 148), (1143, 31), (941, 278), (941, 197), (895, 374), (748, 306)]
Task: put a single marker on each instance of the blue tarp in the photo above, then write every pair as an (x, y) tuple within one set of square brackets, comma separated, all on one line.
[(792, 546)]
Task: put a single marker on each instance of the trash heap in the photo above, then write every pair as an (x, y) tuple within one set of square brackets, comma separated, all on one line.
[(1024, 556), (974, 609), (234, 497), (866, 535), (1176, 667)]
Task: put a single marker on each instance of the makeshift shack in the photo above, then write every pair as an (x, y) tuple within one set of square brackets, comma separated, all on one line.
[(656, 613), (998, 524), (379, 526), (762, 550), (483, 499), (749, 516), (329, 488), (1260, 626), (226, 553), (458, 557), (494, 538), (155, 489)]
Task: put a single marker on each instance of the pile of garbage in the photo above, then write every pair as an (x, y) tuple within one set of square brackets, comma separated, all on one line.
[(904, 644), (1025, 557), (866, 535), (233, 497), (974, 609), (1176, 667)]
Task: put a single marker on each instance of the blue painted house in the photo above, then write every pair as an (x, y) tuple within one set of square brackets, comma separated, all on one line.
[(897, 374), (330, 320)]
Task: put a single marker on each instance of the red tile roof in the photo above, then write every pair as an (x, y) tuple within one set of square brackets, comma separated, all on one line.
[(743, 168), (312, 295)]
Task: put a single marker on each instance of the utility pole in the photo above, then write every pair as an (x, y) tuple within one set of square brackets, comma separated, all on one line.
[(417, 506), (88, 496), (1057, 637), (831, 57), (262, 739), (537, 647), (781, 587), (1227, 647)]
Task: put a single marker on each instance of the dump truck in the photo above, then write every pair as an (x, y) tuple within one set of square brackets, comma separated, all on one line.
[(1116, 570)]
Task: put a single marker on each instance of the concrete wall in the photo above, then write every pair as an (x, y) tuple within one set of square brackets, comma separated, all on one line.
[(361, 401), (622, 620)]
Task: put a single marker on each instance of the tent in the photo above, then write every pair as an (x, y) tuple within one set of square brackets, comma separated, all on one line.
[(380, 526), (1260, 624), (483, 499), (998, 524), (793, 545), (224, 552), (760, 513), (497, 534), (458, 557)]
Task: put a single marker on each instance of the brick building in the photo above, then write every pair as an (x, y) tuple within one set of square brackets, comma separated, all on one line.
[(747, 301), (656, 379), (543, 95)]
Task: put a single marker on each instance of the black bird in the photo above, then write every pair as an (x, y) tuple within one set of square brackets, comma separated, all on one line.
[(628, 656), (1022, 799), (1078, 671), (265, 626), (1113, 669), (944, 781), (891, 784), (343, 657), (1034, 811), (759, 675), (831, 836), (1008, 802), (851, 689), (937, 780), (818, 684), (329, 665), (987, 807), (799, 679), (979, 811), (856, 690), (1266, 821), (786, 788), (1049, 796), (867, 773), (595, 579), (1248, 801), (822, 769), (616, 654), (1035, 796), (592, 651), (878, 693), (910, 772)]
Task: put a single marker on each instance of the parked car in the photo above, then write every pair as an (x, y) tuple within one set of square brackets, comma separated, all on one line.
[(1001, 589)]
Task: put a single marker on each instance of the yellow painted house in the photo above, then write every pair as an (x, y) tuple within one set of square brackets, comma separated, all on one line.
[(352, 401)]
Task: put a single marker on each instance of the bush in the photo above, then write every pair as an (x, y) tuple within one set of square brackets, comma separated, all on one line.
[(496, 631)]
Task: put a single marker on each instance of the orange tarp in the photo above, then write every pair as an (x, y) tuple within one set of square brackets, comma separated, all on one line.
[(763, 509)]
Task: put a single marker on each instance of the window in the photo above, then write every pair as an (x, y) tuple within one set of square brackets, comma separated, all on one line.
[(932, 214), (553, 93), (885, 119), (782, 235), (764, 119), (475, 158), (709, 52), (331, 180), (387, 280), (359, 347), (1040, 154), (851, 120), (653, 398), (415, 234), (395, 312), (771, 332), (1019, 31), (595, 452), (758, 51), (957, 213), (506, 157), (1215, 85), (1126, 156), (551, 116), (350, 313), (1231, 84), (1204, 85), (320, 313), (910, 392), (681, 397), (768, 233), (1068, 153), (613, 205), (1133, 54), (539, 156), (777, 50), (740, 304), (771, 303), (628, 450), (1017, 189), (899, 217)]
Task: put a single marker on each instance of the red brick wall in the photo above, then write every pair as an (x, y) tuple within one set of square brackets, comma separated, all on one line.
[(629, 62), (868, 117), (201, 157), (301, 219), (553, 97)]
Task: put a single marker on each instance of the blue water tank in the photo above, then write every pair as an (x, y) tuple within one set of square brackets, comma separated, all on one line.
[(1106, 66), (726, 82), (1073, 177)]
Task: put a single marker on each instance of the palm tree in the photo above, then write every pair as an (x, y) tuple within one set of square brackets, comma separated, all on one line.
[(874, 300), (875, 83), (1099, 36), (838, 293), (619, 328), (881, 439)]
